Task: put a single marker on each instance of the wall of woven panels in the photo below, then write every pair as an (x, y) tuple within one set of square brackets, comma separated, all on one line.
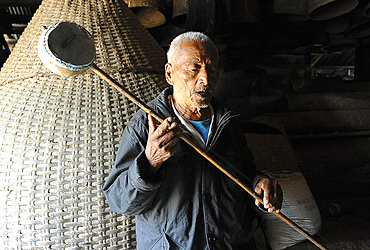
[(59, 135)]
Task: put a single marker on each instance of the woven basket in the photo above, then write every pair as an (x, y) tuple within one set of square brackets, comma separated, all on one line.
[(270, 146), (59, 135), (272, 152)]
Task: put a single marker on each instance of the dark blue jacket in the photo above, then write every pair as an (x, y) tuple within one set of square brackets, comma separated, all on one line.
[(190, 204)]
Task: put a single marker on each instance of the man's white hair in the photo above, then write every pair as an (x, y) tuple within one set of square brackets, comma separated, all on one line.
[(185, 37)]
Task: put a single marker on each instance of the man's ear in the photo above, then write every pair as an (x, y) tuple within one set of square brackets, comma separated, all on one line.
[(168, 73)]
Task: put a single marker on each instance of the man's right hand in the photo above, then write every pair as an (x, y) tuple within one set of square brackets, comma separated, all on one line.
[(163, 142)]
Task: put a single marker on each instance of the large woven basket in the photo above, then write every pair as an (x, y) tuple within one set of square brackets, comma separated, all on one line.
[(270, 145), (59, 135)]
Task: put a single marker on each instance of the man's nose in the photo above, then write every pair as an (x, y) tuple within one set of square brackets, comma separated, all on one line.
[(203, 76)]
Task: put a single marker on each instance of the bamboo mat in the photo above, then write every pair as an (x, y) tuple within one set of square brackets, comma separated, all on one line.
[(59, 135), (270, 145)]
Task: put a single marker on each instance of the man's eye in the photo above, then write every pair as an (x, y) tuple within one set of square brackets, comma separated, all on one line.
[(194, 69)]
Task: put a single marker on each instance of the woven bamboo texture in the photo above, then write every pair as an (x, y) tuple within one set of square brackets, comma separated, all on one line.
[(59, 135), (272, 152)]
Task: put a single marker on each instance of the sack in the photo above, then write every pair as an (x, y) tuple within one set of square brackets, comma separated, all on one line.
[(298, 205)]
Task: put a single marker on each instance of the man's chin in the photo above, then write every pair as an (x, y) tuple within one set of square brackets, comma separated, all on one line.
[(202, 105), (202, 102)]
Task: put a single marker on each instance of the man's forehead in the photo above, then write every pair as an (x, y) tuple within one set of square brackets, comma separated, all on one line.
[(197, 51)]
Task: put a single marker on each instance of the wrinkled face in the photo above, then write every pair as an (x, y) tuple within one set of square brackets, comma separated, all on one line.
[(193, 74)]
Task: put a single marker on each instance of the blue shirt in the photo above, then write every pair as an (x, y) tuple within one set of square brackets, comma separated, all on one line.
[(202, 127)]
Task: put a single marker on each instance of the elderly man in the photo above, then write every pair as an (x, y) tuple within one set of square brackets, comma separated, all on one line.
[(180, 200)]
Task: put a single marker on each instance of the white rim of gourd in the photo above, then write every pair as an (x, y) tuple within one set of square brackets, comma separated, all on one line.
[(62, 63)]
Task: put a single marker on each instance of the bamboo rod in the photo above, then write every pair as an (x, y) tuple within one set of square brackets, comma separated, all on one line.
[(185, 138)]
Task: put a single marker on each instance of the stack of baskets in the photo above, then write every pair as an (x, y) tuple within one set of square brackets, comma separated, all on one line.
[(59, 135)]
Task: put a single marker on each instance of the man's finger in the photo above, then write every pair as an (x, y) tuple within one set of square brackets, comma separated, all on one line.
[(152, 124), (161, 129), (257, 203), (266, 197)]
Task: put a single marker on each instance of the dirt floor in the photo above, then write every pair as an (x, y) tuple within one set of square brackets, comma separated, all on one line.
[(338, 174), (346, 231)]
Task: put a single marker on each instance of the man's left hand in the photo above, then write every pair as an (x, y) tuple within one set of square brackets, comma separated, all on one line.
[(270, 193)]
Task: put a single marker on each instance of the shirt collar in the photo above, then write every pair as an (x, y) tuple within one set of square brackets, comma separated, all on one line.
[(189, 127)]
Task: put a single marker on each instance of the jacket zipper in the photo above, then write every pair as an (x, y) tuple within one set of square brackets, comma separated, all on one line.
[(220, 125)]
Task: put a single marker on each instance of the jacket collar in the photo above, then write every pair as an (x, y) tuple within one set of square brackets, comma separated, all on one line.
[(222, 115), (162, 101)]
